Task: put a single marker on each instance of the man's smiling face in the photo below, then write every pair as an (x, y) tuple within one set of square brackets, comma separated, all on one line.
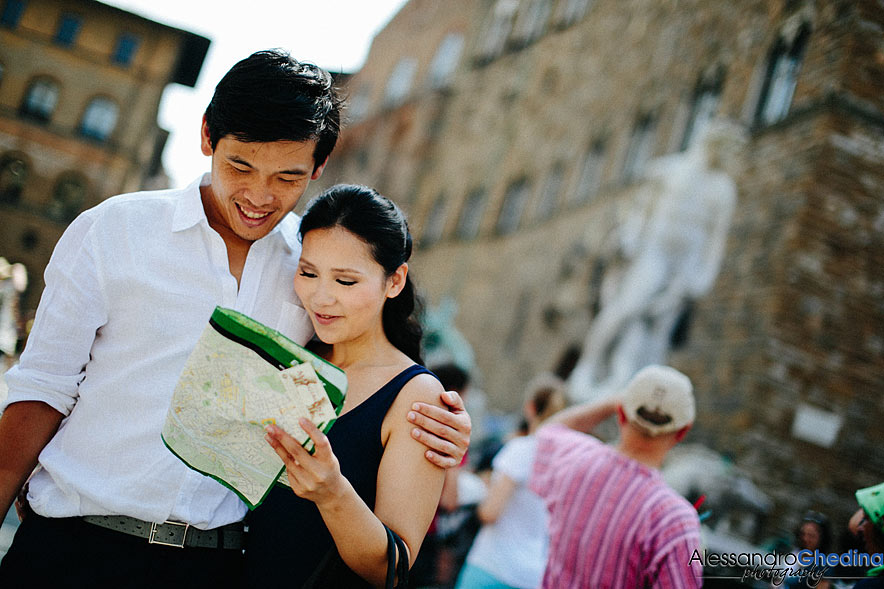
[(254, 185)]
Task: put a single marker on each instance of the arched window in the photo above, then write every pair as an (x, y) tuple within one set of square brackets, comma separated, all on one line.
[(500, 25), (68, 197), (399, 83), (513, 205), (531, 21), (445, 61), (124, 50), (69, 25), (11, 13), (570, 11), (641, 148), (434, 225), (590, 173), (99, 119), (549, 197), (470, 220), (13, 175), (782, 77), (40, 100), (360, 103)]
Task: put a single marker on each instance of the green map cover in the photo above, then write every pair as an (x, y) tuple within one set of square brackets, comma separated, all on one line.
[(241, 376)]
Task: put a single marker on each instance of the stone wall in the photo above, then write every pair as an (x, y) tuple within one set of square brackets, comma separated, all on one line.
[(792, 329)]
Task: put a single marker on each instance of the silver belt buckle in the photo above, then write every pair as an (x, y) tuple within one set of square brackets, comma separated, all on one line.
[(153, 532)]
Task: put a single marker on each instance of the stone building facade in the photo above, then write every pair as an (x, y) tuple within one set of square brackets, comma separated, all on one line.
[(80, 88), (516, 134)]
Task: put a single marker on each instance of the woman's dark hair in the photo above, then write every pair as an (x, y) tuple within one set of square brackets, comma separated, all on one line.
[(377, 221), (823, 525), (546, 392), (270, 96)]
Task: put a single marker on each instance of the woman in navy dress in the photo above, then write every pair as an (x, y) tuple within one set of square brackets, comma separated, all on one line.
[(353, 280)]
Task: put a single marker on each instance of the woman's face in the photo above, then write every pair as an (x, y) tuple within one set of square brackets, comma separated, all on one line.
[(809, 536), (342, 287)]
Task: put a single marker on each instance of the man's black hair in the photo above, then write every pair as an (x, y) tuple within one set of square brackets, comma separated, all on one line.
[(270, 96)]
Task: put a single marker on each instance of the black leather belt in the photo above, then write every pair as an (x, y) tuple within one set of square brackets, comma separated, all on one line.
[(172, 533)]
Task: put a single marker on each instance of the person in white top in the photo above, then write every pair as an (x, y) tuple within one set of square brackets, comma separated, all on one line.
[(511, 547), (129, 288)]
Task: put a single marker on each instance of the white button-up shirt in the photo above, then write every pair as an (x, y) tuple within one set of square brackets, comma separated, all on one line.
[(129, 289)]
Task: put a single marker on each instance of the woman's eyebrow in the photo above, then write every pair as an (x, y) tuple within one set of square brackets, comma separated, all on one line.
[(307, 262)]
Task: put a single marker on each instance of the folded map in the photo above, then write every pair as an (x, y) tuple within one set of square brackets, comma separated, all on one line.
[(241, 376)]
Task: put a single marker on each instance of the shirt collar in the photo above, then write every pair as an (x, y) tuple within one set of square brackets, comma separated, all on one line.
[(189, 212), (189, 207), (288, 228)]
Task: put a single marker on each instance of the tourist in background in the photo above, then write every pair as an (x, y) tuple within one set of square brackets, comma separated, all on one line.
[(614, 522), (511, 547)]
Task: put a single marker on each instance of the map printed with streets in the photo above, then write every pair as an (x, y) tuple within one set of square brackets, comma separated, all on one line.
[(241, 376)]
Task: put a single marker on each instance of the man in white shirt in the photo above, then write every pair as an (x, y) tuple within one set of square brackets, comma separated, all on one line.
[(129, 288)]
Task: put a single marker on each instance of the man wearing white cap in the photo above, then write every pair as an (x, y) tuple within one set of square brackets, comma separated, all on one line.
[(613, 520)]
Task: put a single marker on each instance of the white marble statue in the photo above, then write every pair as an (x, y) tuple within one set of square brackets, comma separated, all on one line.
[(671, 244)]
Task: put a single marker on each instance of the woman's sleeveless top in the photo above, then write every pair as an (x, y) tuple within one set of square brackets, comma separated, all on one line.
[(286, 535)]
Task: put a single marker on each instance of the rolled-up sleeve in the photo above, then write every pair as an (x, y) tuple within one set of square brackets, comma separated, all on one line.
[(72, 309)]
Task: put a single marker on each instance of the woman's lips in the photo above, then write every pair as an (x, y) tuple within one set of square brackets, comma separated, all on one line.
[(325, 319)]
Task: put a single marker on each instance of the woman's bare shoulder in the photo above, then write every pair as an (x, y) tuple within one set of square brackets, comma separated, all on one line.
[(424, 388)]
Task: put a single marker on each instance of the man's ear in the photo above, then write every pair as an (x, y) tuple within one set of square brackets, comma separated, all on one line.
[(397, 281), (317, 171), (205, 140)]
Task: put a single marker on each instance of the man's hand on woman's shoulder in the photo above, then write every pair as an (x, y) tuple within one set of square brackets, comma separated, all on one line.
[(445, 432)]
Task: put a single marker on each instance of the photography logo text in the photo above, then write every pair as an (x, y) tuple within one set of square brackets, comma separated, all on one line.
[(808, 565)]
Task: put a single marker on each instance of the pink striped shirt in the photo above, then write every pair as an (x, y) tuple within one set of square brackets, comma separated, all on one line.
[(613, 521)]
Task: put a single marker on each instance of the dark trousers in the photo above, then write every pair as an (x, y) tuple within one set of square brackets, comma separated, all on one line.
[(70, 553)]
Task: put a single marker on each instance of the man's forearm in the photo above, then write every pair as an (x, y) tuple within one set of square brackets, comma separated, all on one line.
[(25, 429), (586, 417)]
